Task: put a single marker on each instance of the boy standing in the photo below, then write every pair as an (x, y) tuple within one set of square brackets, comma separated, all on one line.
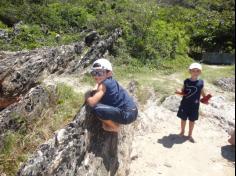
[(192, 91)]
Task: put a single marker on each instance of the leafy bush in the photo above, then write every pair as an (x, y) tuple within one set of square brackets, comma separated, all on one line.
[(154, 33), (29, 37), (166, 40), (2, 25), (209, 30)]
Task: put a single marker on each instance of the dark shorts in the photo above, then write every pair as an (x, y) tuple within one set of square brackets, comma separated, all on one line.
[(114, 114), (191, 114)]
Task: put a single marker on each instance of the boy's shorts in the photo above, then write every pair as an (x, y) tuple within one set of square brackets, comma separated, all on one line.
[(191, 114), (114, 114)]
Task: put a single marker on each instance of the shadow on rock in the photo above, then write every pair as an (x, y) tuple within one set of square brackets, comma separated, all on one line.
[(228, 152), (171, 140)]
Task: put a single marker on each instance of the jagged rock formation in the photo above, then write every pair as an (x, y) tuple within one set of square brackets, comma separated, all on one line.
[(217, 109), (83, 148), (22, 70), (91, 37), (221, 110), (172, 103), (227, 84), (27, 109), (97, 50)]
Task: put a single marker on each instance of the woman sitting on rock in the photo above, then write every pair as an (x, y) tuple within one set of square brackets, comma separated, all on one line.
[(110, 102)]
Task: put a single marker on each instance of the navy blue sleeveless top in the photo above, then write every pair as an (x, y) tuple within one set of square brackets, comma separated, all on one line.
[(116, 96), (193, 90)]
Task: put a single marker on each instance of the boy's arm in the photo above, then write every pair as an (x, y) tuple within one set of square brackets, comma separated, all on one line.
[(206, 97), (180, 92), (96, 98), (203, 93)]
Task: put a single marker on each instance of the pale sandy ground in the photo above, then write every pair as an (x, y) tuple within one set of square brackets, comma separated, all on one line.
[(161, 152)]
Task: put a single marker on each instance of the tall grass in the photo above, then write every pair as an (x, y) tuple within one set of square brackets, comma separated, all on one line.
[(18, 145)]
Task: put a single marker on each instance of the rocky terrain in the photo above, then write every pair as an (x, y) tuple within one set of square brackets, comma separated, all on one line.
[(227, 84), (150, 146), (81, 148), (22, 71), (159, 150)]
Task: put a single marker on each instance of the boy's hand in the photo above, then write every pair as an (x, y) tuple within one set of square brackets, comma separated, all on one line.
[(178, 92), (96, 96), (89, 94), (96, 87), (205, 100)]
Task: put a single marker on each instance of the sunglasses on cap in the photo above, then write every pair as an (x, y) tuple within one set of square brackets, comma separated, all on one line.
[(98, 73)]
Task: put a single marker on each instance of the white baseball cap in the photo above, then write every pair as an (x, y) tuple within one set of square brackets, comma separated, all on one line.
[(102, 64), (195, 66)]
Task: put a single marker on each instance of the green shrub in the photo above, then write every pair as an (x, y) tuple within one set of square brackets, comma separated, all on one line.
[(2, 25), (10, 155), (153, 33), (30, 37), (60, 17), (166, 40)]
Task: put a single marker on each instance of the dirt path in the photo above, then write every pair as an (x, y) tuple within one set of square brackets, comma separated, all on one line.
[(161, 152)]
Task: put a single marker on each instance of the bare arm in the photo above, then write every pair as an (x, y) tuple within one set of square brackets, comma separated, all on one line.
[(179, 91), (203, 93), (94, 100)]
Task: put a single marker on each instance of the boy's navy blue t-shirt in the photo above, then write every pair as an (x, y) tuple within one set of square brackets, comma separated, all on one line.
[(193, 90), (116, 96)]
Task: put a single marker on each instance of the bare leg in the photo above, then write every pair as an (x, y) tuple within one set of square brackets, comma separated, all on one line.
[(190, 134), (232, 139), (183, 125), (110, 126)]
